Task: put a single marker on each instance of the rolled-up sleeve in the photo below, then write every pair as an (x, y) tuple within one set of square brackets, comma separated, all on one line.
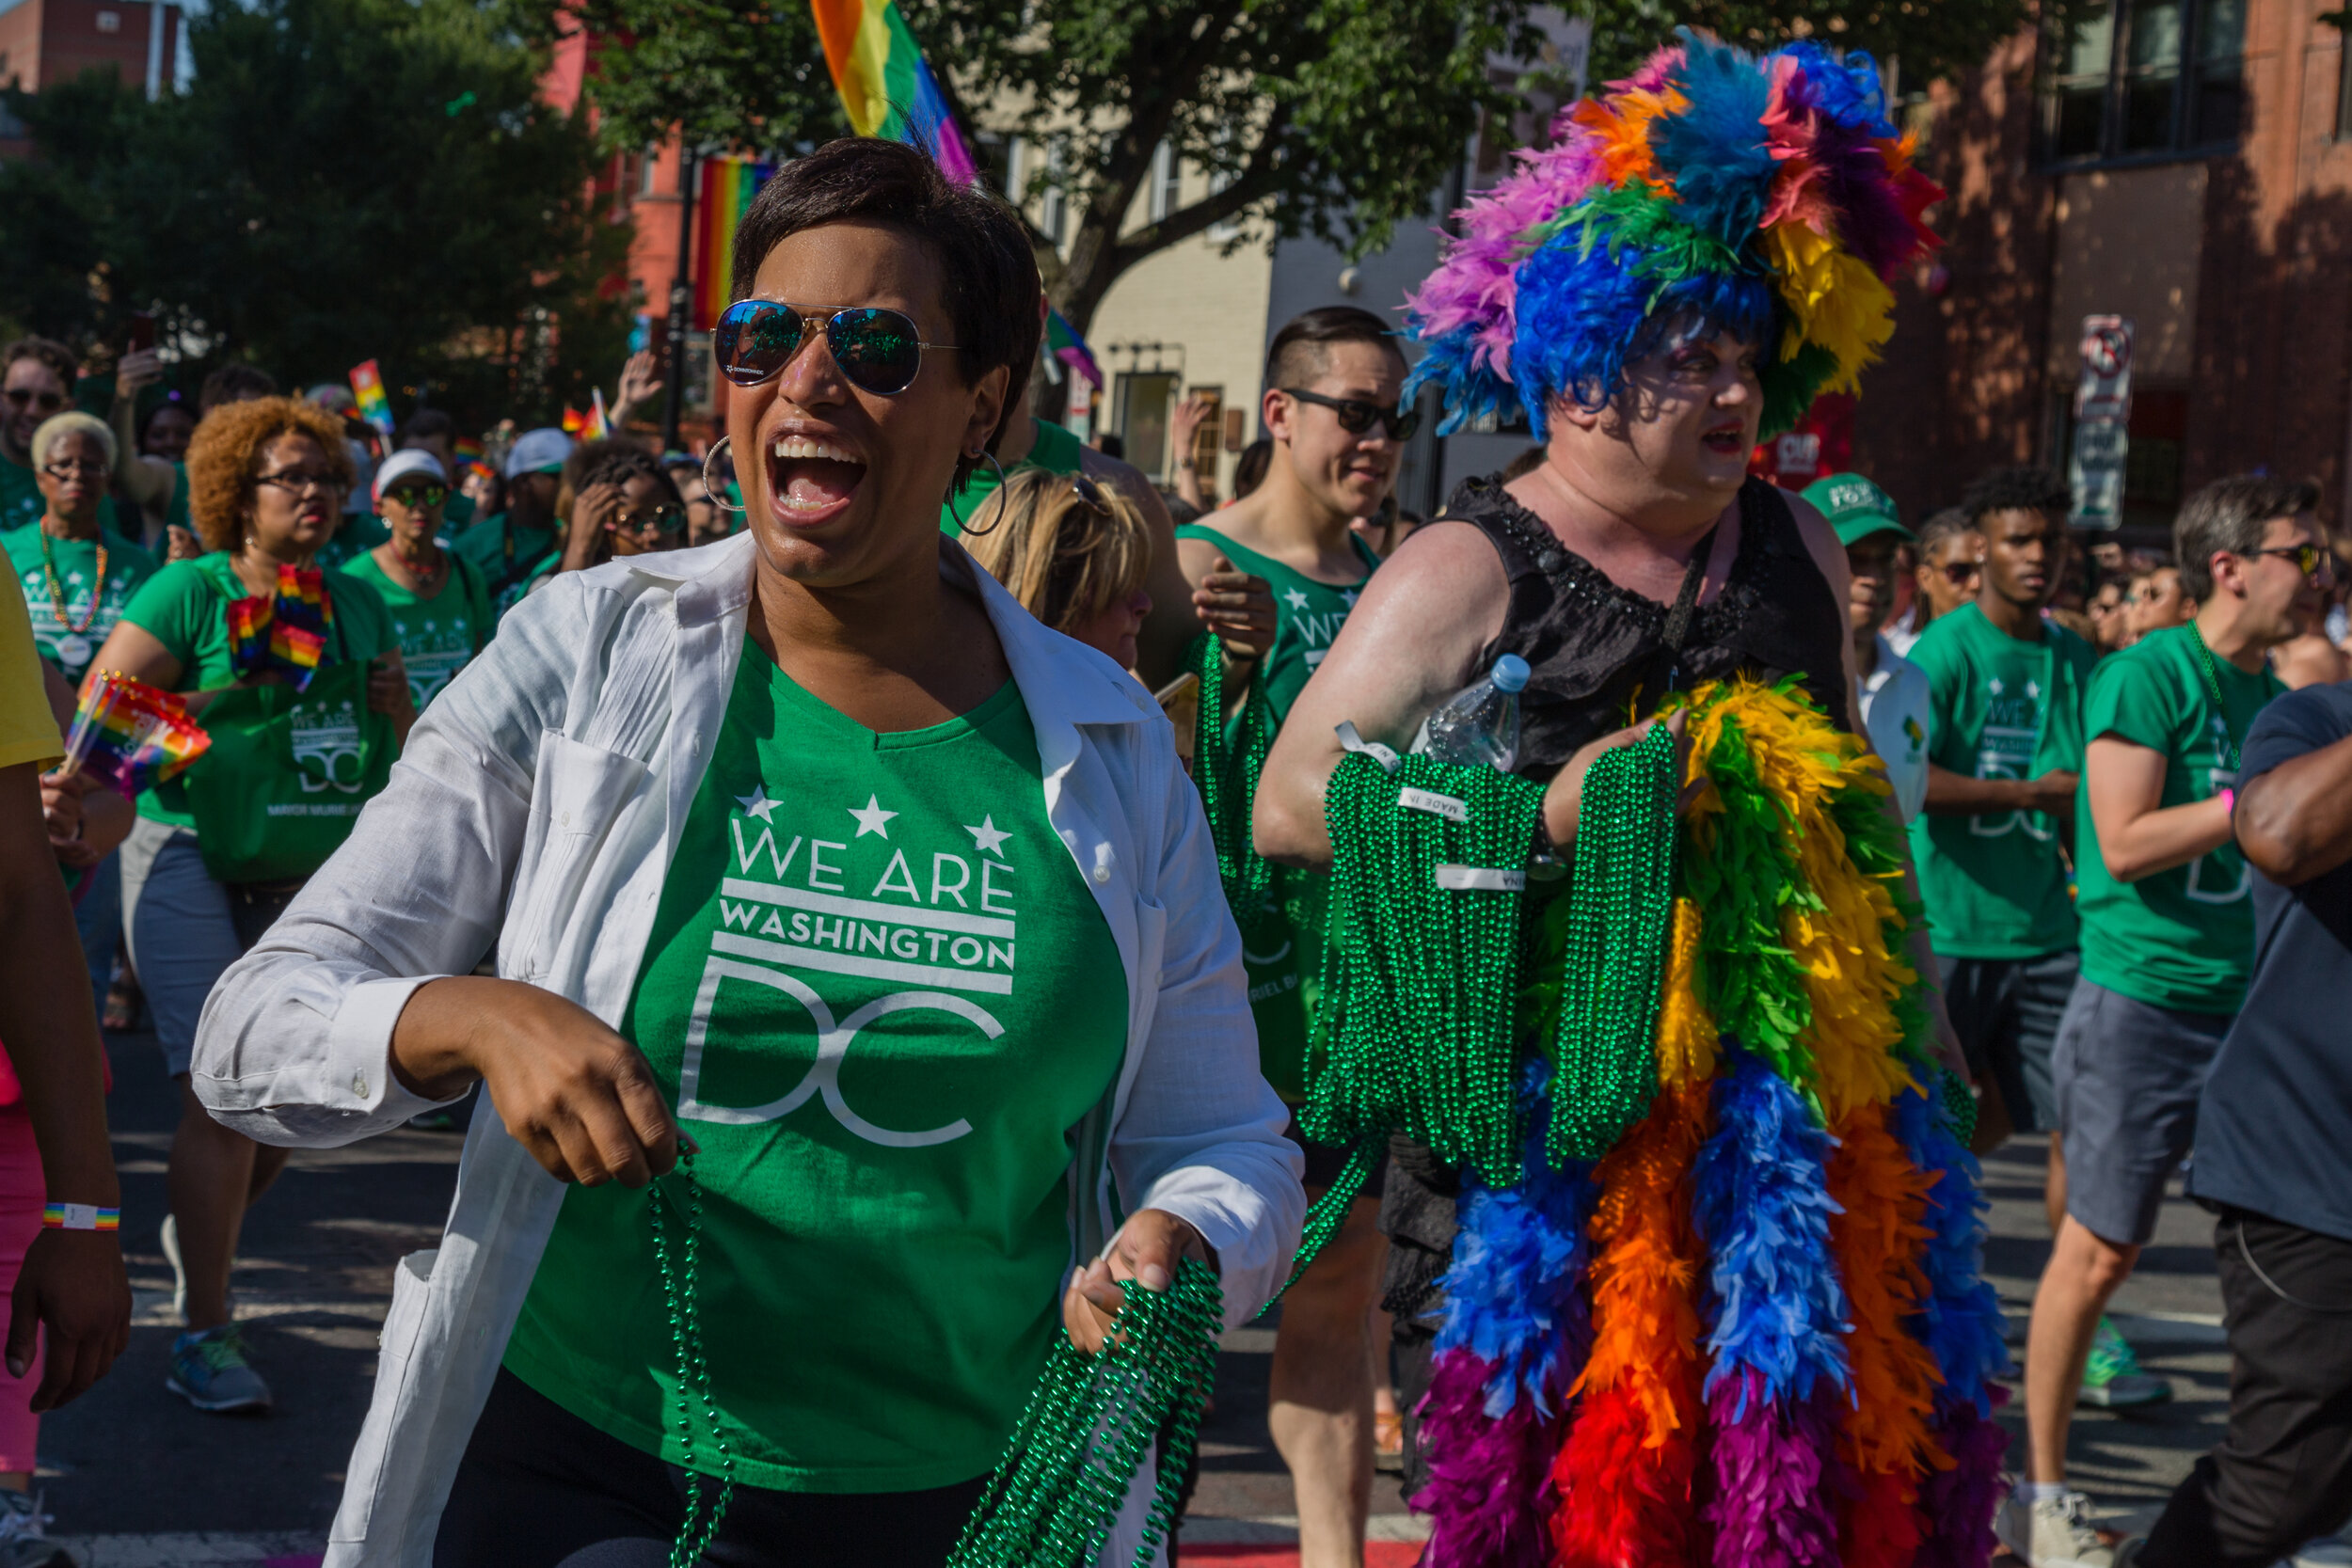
[(1201, 1138), (295, 1043)]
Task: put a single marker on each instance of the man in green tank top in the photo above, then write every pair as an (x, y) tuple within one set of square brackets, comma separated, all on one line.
[(1333, 380)]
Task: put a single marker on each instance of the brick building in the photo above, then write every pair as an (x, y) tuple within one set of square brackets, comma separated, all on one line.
[(2185, 163)]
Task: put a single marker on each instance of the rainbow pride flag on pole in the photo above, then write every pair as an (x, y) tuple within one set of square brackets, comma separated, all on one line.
[(886, 86), (132, 734), (367, 385), (728, 186)]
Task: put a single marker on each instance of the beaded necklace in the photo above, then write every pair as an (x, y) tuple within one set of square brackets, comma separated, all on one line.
[(2213, 690), (57, 593), (1227, 771)]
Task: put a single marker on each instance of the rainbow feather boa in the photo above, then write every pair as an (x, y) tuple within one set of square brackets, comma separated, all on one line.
[(1753, 1332)]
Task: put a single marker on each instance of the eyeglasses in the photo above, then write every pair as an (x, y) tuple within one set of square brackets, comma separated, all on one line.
[(1958, 572), (661, 519), (48, 403), (1090, 494), (417, 495), (1356, 416), (71, 467), (295, 481), (879, 350), (2308, 559)]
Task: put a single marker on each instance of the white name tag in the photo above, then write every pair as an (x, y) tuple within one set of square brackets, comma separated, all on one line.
[(1435, 803), (1480, 878)]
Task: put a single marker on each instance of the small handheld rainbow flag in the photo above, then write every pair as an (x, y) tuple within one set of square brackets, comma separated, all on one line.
[(367, 385), (728, 186), (132, 734), (886, 86), (286, 634), (1071, 349)]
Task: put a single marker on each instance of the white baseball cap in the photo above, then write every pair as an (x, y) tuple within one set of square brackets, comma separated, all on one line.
[(538, 451), (411, 460)]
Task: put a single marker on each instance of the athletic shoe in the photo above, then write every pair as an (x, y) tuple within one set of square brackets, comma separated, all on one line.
[(2112, 1378), (210, 1372), (23, 1534), (2053, 1533)]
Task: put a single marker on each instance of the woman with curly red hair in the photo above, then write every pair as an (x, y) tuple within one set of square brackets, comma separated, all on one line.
[(267, 480)]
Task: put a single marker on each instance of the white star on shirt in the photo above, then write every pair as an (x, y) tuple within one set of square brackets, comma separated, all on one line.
[(1297, 600), (756, 804), (1348, 598), (2033, 688), (1994, 685), (871, 819), (987, 836)]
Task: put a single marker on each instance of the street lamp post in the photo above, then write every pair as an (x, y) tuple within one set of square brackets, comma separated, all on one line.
[(681, 298)]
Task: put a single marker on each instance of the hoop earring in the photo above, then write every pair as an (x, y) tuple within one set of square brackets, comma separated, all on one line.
[(713, 491), (995, 495)]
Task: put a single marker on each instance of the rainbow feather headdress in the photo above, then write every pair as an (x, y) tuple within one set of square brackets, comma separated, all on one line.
[(1768, 197)]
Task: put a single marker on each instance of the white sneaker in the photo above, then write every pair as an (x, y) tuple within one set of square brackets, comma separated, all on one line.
[(23, 1534), (2053, 1533)]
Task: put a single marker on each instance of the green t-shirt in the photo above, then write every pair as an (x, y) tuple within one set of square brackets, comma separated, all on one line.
[(22, 503), (1282, 955), (1056, 450), (184, 606), (2182, 939), (886, 1104), (438, 636), (93, 601), (355, 536), (504, 554), (1994, 884)]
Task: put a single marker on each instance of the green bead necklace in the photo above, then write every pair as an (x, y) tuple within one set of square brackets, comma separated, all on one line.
[(1620, 917), (1226, 769), (680, 1277)]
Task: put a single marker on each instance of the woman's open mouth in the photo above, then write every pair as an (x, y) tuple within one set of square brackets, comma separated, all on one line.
[(811, 481)]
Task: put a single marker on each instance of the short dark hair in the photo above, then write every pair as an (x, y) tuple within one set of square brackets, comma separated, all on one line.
[(619, 464), (2231, 515), (1301, 350), (1524, 464), (50, 352), (988, 273), (2018, 489), (1250, 466), (236, 383), (426, 423), (1943, 524)]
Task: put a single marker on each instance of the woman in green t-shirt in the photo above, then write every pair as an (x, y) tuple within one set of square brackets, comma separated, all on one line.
[(267, 477), (440, 602), (756, 831)]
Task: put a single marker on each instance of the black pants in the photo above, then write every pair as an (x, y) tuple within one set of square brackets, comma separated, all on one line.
[(2283, 1474), (541, 1488)]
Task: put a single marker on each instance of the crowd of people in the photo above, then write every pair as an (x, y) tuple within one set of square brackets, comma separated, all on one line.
[(611, 711)]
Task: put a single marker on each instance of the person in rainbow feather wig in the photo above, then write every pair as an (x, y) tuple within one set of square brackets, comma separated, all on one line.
[(1685, 1230)]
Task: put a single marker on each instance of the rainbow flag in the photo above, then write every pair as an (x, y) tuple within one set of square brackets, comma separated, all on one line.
[(132, 734), (886, 86), (591, 426), (367, 385), (467, 451), (285, 634), (1062, 340), (728, 186)]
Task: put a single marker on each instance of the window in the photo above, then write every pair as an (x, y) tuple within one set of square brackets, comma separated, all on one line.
[(2135, 78), (1145, 399), (1165, 178), (2343, 89)]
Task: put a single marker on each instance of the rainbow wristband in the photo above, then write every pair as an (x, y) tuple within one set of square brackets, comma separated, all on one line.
[(80, 1216)]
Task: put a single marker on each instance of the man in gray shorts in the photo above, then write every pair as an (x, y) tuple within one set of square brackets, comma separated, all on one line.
[(2168, 938)]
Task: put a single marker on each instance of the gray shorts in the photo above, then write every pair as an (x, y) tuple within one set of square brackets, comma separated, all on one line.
[(2006, 1012), (182, 934), (2128, 1076)]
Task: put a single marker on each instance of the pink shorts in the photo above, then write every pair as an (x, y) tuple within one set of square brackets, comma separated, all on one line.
[(23, 1193)]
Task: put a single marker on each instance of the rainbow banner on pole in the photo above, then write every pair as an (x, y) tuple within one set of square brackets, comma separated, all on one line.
[(728, 186), (886, 86), (367, 385)]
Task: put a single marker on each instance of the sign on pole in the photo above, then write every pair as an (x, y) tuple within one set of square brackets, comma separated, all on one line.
[(2102, 412)]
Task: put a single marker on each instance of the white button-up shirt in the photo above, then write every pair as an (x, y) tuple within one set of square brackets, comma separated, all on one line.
[(536, 809), (1896, 712)]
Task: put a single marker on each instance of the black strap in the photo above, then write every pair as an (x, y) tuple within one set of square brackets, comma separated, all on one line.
[(1686, 605)]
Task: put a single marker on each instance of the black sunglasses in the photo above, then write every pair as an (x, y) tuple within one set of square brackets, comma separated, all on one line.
[(2307, 558), (1356, 416), (879, 350), (661, 519)]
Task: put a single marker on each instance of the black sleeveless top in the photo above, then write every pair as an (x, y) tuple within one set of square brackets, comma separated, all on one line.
[(1598, 650)]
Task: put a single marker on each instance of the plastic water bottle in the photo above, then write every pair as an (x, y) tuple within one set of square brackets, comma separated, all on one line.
[(1480, 724)]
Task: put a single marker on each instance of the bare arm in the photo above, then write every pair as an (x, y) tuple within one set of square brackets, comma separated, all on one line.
[(1952, 794), (1411, 642), (2138, 838), (2295, 822), (149, 480), (1171, 627)]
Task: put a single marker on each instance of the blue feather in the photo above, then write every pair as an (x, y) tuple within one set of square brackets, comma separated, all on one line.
[(1714, 150), (1960, 1321), (1762, 1203), (1848, 90), (1474, 396)]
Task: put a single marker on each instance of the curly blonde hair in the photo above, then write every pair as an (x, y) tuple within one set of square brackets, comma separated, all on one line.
[(225, 455), (1064, 559)]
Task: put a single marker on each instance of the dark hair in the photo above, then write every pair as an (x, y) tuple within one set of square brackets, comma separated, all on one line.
[(988, 274), (1249, 468), (2231, 515), (619, 464), (50, 352), (2018, 489), (168, 406), (1942, 526), (235, 383), (1524, 464), (424, 423), (1301, 349)]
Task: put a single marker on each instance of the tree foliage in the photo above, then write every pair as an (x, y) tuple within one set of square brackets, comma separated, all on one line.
[(1929, 38), (341, 180)]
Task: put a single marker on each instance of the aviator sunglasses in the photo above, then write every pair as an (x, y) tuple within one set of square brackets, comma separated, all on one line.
[(878, 350)]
